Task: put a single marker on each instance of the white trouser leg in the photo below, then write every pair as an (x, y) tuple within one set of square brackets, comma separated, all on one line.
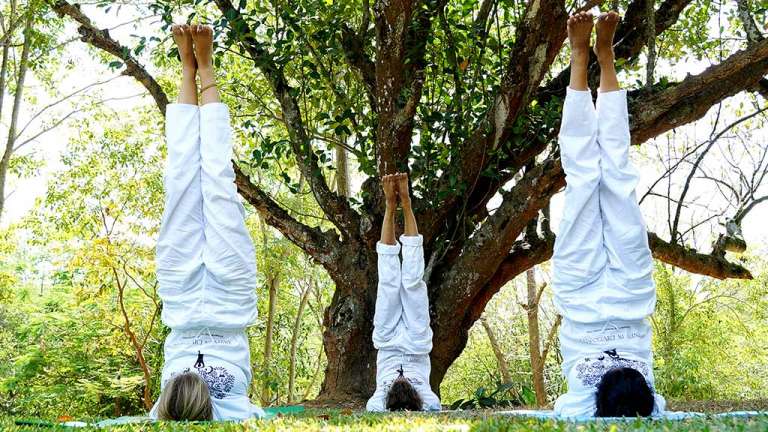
[(414, 297), (630, 265), (579, 257), (389, 309), (180, 243), (228, 255)]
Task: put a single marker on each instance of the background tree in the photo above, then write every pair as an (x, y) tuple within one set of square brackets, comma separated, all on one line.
[(463, 95)]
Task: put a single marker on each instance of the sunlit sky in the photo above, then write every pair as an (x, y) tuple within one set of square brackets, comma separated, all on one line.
[(123, 93)]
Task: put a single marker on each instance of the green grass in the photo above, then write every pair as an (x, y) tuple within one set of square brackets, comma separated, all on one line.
[(335, 420)]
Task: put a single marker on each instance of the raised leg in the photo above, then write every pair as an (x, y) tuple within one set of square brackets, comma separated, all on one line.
[(180, 243), (579, 258), (389, 309), (203, 36), (630, 264), (228, 255), (579, 30), (413, 292)]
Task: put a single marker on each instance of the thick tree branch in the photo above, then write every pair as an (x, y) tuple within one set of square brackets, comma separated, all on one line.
[(695, 262), (656, 112), (402, 30), (321, 246), (480, 258), (538, 39), (630, 40), (524, 255), (103, 40), (461, 317), (337, 208)]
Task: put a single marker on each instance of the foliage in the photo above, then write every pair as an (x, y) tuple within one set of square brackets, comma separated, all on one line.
[(497, 398), (709, 336)]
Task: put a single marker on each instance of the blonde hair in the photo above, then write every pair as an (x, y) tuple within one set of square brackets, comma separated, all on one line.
[(185, 398)]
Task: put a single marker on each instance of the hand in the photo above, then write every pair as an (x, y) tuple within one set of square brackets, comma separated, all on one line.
[(388, 183)]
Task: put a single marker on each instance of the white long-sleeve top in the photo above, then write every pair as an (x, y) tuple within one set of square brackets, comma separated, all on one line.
[(602, 265), (402, 334), (206, 266)]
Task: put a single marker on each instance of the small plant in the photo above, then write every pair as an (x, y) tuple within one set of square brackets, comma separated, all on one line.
[(498, 398)]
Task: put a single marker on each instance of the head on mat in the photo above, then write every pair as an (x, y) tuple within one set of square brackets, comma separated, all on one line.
[(185, 398), (623, 392), (403, 397)]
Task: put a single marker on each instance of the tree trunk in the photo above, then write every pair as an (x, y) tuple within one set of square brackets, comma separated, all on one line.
[(350, 373), (11, 140), (295, 341), (534, 339), (342, 172), (500, 360)]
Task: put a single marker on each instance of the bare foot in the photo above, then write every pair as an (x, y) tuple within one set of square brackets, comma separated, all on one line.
[(605, 29), (203, 37), (183, 39), (579, 31)]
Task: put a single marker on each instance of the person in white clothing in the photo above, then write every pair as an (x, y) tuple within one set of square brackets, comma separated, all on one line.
[(602, 266), (206, 267), (401, 333)]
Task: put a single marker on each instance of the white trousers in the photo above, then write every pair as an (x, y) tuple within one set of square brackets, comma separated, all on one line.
[(602, 266), (206, 266)]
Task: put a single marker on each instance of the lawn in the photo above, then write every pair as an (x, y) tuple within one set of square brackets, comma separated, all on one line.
[(335, 420)]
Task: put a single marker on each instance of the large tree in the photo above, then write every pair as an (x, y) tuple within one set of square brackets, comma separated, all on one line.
[(465, 95)]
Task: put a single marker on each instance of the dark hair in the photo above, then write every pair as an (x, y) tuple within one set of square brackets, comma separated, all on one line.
[(624, 392), (403, 397), (185, 398)]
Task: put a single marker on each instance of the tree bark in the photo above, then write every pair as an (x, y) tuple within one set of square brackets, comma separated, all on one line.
[(342, 172), (350, 374)]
